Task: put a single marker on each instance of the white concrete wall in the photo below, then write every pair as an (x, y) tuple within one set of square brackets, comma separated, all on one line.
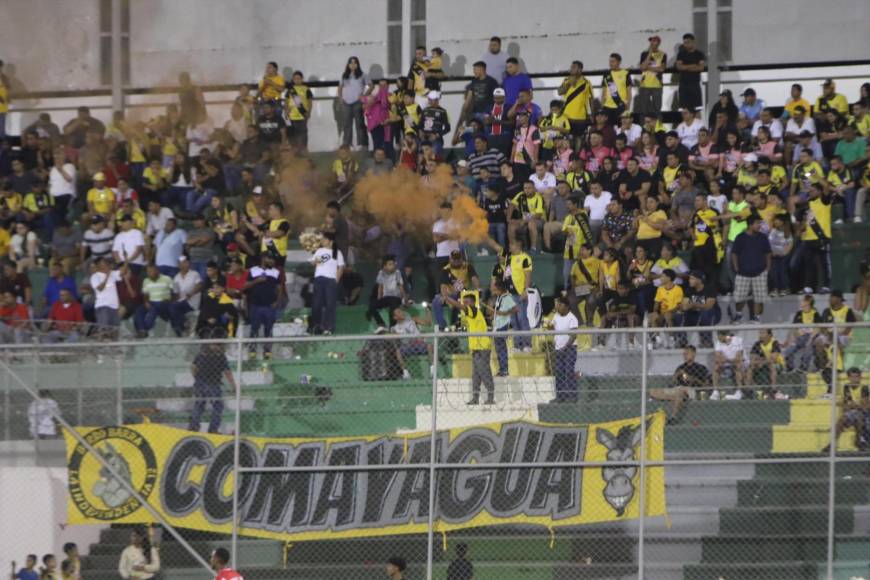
[(34, 515), (50, 44)]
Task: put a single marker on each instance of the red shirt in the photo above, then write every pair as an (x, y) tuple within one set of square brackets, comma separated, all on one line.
[(237, 282), (14, 316), (113, 172), (228, 574), (65, 316)]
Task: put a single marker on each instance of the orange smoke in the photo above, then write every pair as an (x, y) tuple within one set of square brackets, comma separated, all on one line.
[(300, 187), (402, 197), (470, 220)]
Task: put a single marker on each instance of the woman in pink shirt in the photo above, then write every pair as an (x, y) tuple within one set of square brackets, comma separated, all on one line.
[(767, 147), (595, 153), (376, 108), (731, 158), (647, 152), (622, 152)]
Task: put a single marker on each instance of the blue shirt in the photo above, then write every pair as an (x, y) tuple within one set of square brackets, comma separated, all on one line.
[(513, 84), (25, 574), (53, 288), (751, 252), (169, 247), (752, 111)]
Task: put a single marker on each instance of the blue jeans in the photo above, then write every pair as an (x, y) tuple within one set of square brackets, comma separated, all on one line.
[(203, 394), (201, 268), (168, 271), (501, 351), (520, 321), (144, 318), (710, 317), (849, 197), (323, 303), (172, 196), (177, 315), (438, 310), (195, 202), (232, 175), (566, 381), (779, 273), (261, 317), (498, 232)]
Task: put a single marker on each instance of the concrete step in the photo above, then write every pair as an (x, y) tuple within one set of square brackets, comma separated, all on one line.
[(530, 391), (468, 416), (186, 405), (808, 438), (249, 378)]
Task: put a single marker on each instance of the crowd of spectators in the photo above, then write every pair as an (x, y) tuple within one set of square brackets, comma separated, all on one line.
[(184, 219)]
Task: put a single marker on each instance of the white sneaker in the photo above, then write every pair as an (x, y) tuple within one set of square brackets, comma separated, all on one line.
[(482, 252), (714, 396), (808, 290), (735, 396), (838, 222), (406, 375), (778, 396), (527, 349), (856, 220)]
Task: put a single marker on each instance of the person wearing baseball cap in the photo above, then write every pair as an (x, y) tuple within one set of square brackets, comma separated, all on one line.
[(499, 92), (435, 122), (752, 105), (101, 199), (830, 100), (652, 63)]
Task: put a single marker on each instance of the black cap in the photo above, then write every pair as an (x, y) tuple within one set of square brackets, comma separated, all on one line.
[(828, 82), (837, 293), (748, 92), (698, 274), (456, 254), (126, 218), (805, 133), (98, 219)]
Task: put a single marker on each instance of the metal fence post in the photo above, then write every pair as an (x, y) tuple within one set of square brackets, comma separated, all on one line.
[(236, 445), (832, 450), (119, 403), (7, 409), (642, 499), (430, 532)]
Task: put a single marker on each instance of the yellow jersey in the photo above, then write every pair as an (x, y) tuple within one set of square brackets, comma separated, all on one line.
[(610, 272), (548, 127), (280, 243), (576, 231), (836, 103), (818, 217), (650, 79), (475, 322), (533, 205), (581, 280), (792, 105), (669, 300), (102, 199), (139, 219), (299, 98), (269, 92), (4, 98), (615, 84), (12, 202), (518, 264), (5, 240), (646, 231), (578, 100)]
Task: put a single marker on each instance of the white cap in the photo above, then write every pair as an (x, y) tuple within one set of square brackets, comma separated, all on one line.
[(258, 189), (462, 163), (751, 158), (499, 92), (434, 95)]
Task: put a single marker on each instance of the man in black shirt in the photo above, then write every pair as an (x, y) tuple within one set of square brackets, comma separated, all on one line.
[(688, 376), (209, 369), (434, 122), (496, 204), (701, 306), (690, 64), (271, 125), (673, 145), (478, 93), (621, 309), (262, 291), (634, 185)]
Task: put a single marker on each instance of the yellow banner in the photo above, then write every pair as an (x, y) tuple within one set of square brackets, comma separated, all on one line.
[(188, 478)]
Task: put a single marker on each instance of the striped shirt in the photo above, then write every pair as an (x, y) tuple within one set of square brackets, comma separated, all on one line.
[(491, 159)]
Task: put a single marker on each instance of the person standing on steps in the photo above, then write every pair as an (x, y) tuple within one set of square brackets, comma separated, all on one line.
[(209, 369), (566, 353), (140, 560), (480, 347)]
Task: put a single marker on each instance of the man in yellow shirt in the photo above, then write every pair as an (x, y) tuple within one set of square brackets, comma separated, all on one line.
[(552, 127), (669, 298), (615, 90), (101, 199), (830, 100), (299, 102), (528, 213), (815, 233), (795, 100), (577, 234), (480, 347), (652, 63), (576, 90), (272, 84)]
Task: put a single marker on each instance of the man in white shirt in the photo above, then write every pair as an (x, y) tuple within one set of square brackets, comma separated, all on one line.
[(565, 352), (688, 129), (545, 182), (106, 304), (186, 286), (40, 416), (169, 248), (495, 59), (62, 184), (129, 246), (442, 234), (596, 204), (766, 119), (729, 354), (156, 218)]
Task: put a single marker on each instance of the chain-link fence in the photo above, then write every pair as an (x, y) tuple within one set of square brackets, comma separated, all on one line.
[(507, 455)]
